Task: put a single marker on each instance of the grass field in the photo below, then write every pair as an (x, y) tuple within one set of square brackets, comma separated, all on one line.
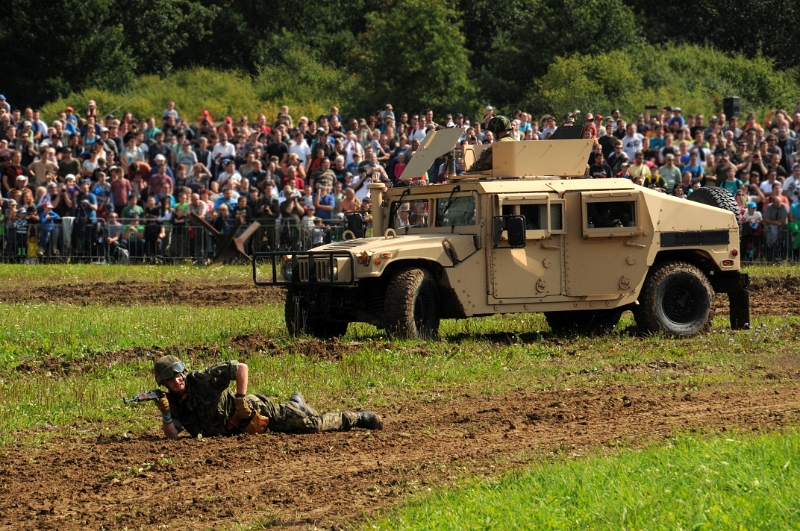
[(717, 482), (65, 367)]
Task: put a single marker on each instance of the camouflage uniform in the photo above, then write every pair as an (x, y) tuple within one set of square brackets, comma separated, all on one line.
[(496, 125), (209, 404)]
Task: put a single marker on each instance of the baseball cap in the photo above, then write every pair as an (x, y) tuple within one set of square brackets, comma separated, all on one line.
[(113, 168), (670, 156), (751, 204), (87, 181), (104, 129), (12, 202), (187, 143), (92, 102), (52, 185), (489, 108), (69, 109), (26, 123), (228, 119), (676, 109), (160, 157), (21, 177), (626, 164), (2, 97), (69, 177), (598, 116)]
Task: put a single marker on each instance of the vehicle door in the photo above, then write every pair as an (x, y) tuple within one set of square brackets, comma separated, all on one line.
[(533, 271)]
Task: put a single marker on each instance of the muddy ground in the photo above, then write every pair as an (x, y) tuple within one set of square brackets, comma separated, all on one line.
[(769, 296), (331, 481)]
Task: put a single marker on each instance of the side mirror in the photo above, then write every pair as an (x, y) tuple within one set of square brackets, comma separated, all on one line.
[(516, 231), (515, 226)]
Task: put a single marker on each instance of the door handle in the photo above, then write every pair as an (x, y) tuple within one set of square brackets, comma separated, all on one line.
[(553, 247), (634, 244)]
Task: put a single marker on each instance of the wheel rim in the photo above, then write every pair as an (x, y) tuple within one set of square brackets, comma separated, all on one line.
[(680, 304)]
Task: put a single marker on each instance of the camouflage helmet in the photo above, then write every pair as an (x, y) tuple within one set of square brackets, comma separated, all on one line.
[(498, 124), (167, 367)]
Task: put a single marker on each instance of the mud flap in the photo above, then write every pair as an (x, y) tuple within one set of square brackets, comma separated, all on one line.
[(735, 286), (739, 304)]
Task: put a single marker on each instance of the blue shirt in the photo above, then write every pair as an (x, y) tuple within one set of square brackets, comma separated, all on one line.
[(232, 204), (48, 225), (326, 200), (90, 212)]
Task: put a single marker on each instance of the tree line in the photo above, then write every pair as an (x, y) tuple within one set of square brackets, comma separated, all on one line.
[(442, 54)]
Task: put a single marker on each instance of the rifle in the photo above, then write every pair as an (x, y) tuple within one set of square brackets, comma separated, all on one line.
[(155, 394)]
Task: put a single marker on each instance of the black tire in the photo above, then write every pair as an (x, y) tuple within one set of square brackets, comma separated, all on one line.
[(411, 306), (583, 322), (676, 299), (716, 197), (302, 323)]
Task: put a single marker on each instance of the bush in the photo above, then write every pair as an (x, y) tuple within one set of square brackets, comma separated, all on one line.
[(695, 78), (305, 85)]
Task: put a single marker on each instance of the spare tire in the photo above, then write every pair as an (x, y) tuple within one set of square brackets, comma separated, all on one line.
[(716, 197)]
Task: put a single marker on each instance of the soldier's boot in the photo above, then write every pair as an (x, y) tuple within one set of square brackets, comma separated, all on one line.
[(369, 421), (298, 399)]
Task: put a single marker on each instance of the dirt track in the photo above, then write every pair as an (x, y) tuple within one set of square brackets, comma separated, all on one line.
[(328, 480), (769, 296)]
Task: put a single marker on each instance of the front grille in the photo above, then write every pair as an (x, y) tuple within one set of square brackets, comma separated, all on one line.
[(307, 267), (303, 269)]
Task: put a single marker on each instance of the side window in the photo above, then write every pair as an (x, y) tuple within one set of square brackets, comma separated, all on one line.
[(556, 217), (611, 214), (410, 214), (535, 216), (455, 212)]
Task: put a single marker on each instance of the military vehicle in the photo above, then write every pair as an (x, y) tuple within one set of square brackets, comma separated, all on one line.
[(528, 235)]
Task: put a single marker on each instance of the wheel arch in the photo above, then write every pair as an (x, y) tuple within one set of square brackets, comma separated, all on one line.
[(696, 257)]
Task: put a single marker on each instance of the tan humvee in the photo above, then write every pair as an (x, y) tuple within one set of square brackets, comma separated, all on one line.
[(526, 236)]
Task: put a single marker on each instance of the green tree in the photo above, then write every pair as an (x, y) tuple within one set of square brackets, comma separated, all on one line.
[(753, 28), (54, 48), (413, 56), (695, 78), (536, 32)]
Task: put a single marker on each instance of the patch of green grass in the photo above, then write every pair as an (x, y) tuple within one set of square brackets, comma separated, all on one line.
[(739, 482), (70, 332), (19, 275), (781, 270)]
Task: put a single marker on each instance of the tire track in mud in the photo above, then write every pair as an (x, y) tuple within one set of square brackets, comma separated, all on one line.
[(768, 296), (329, 480)]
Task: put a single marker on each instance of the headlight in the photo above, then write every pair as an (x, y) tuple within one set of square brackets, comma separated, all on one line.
[(335, 272), (364, 258)]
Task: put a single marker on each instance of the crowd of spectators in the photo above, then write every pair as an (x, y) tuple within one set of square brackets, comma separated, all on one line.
[(145, 177)]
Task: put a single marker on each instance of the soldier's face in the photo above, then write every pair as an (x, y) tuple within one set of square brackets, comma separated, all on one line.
[(176, 384)]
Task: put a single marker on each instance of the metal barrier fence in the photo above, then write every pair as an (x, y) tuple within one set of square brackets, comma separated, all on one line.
[(101, 242), (73, 241)]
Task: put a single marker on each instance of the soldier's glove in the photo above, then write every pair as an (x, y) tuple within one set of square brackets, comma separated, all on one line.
[(257, 425), (243, 409), (243, 413), (163, 404)]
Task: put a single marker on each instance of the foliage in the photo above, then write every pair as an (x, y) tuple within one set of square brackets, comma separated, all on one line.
[(521, 42), (413, 56), (733, 482), (696, 78), (754, 28), (223, 93)]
